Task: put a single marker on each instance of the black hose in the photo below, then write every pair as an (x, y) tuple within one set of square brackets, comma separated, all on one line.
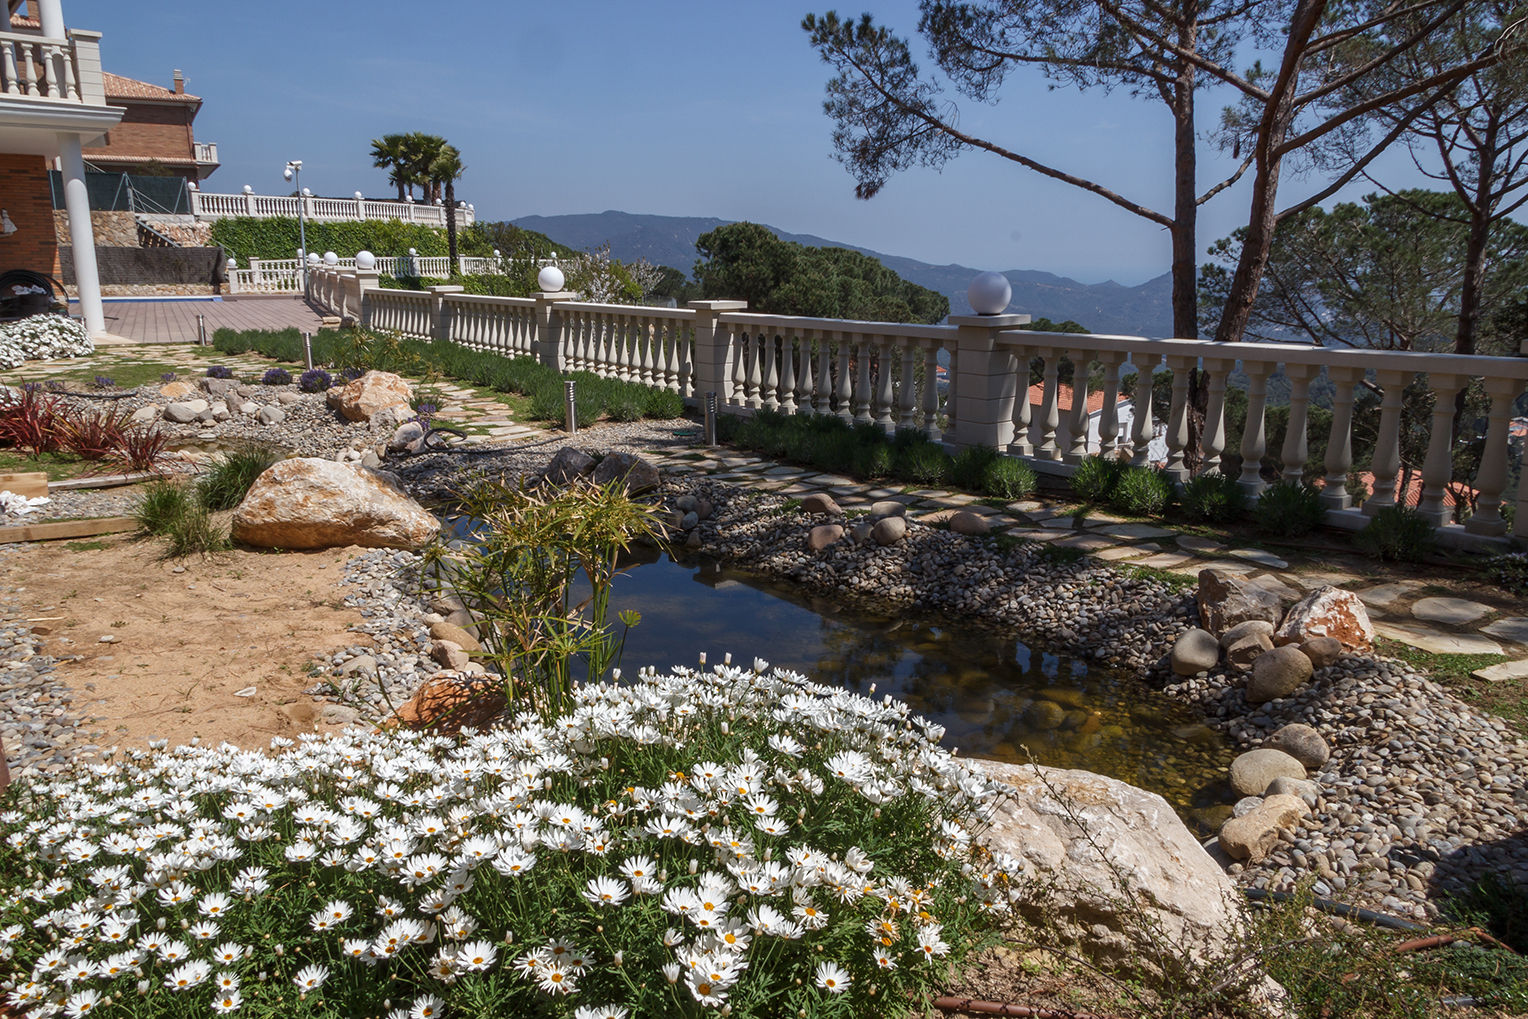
[(1341, 909)]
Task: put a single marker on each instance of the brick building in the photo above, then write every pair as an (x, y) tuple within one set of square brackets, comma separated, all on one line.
[(155, 131)]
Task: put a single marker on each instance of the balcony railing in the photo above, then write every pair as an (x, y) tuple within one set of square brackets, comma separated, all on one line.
[(57, 70), (208, 206), (284, 275), (206, 152), (886, 374)]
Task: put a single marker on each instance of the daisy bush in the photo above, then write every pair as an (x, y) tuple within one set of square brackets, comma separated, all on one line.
[(737, 842), (42, 337)]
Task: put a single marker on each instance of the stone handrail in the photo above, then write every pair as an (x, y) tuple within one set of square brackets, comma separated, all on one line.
[(284, 275), (889, 375), (35, 66), (207, 206)]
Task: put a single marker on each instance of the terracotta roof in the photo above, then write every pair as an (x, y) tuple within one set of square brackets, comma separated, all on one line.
[(1413, 495), (22, 21), (1064, 398), (118, 87)]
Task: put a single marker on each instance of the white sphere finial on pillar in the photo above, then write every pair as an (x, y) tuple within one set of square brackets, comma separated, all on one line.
[(550, 279), (365, 261), (331, 259), (990, 293)]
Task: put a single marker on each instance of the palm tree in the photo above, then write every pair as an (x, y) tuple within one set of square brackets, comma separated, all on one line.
[(391, 153), (446, 169), (422, 151)]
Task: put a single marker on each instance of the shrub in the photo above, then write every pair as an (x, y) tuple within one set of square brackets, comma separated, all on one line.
[(1096, 478), (276, 377), (1397, 533), (219, 371), (1007, 478), (41, 338), (164, 502), (167, 377), (142, 449), (1213, 499), (626, 405), (94, 434), (194, 531), (31, 420), (230, 476), (1142, 492), (969, 468), (871, 462), (1289, 510), (315, 380), (103, 382), (926, 464), (663, 404), (1509, 572)]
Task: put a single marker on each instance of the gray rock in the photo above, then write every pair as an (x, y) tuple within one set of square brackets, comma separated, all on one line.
[(371, 459), (688, 521), (456, 635), (288, 398), (973, 524), (889, 530), (820, 502), (685, 503), (860, 530), (693, 540), (207, 416), (1253, 771), (888, 508), (1242, 653), (271, 414), (1044, 714), (1225, 599), (143, 415), (1278, 673), (1194, 652), (1301, 742), (704, 509), (1251, 836), (638, 475), (1246, 805), (185, 412), (1304, 788), (1322, 651), (409, 436), (567, 464), (1247, 629), (823, 535), (215, 387), (449, 654), (249, 408), (220, 413)]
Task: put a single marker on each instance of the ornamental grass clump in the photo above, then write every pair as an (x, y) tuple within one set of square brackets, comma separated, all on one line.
[(229, 478), (730, 842)]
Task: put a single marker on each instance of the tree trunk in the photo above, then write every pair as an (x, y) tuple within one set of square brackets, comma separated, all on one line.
[(399, 181), (451, 223), (1185, 200)]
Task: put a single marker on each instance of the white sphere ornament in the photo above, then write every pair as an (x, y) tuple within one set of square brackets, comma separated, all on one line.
[(330, 258), (307, 192), (550, 279), (990, 293), (365, 260), (313, 258), (248, 190), (358, 196)]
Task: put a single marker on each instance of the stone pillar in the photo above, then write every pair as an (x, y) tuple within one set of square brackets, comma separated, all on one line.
[(985, 380), (440, 319), (77, 201), (1255, 433), (367, 280), (1492, 476), (50, 16), (233, 276), (713, 350), (548, 345)]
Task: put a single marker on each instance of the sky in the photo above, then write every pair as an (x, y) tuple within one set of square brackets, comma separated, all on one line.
[(668, 107)]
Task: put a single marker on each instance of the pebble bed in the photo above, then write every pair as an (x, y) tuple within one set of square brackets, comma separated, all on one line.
[(1422, 793)]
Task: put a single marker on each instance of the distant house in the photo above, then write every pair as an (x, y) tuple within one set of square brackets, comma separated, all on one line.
[(156, 131)]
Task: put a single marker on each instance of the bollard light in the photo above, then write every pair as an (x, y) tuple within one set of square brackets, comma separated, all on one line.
[(570, 396), (201, 330), (307, 350), (990, 293), (550, 279)]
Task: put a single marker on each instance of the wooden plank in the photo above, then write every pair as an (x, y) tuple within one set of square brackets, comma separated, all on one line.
[(31, 484), (68, 529)]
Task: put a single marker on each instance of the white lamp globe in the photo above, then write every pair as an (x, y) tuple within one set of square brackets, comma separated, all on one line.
[(413, 252), (358, 196), (248, 190), (496, 253), (191, 186), (330, 258), (307, 192), (233, 263), (313, 258), (365, 261), (286, 174), (550, 279), (990, 293)]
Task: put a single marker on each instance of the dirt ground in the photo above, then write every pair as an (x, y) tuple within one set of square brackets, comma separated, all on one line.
[(186, 643)]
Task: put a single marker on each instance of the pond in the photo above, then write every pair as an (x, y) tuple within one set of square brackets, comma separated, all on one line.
[(996, 696)]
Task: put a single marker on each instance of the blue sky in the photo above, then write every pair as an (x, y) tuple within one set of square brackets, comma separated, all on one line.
[(672, 107)]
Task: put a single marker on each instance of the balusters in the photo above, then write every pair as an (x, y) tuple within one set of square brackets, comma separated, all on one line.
[(1077, 418), (1254, 435), (822, 402), (788, 374), (12, 78), (769, 370), (882, 414), (751, 357), (1049, 401), (843, 406), (804, 379), (931, 390), (1491, 479), (1438, 468), (907, 393), (1292, 456), (1108, 424), (1339, 445), (1213, 439), (1020, 444), (862, 395), (1177, 417)]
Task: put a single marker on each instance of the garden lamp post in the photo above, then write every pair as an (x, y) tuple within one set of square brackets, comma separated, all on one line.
[(293, 173)]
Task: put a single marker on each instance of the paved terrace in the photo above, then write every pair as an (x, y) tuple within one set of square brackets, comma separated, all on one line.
[(172, 321)]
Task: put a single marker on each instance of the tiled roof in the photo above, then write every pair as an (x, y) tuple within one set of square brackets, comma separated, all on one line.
[(22, 21), (118, 87), (1064, 398)]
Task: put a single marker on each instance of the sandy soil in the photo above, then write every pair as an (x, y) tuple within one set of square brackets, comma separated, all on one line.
[(186, 642)]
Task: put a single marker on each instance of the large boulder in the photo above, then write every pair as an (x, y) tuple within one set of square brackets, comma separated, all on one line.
[(372, 392), (889, 530), (1253, 771), (821, 502), (1243, 653), (449, 700), (307, 502), (1225, 600), (567, 464), (1278, 673), (1329, 612), (1103, 853), (637, 474)]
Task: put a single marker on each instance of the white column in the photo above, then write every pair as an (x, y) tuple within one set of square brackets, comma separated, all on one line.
[(50, 15), (77, 201)]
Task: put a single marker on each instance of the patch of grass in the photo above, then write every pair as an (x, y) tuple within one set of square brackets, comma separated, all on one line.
[(229, 478), (57, 466), (164, 502), (1507, 699), (195, 531), (84, 546), (127, 373), (1176, 581), (1061, 554)]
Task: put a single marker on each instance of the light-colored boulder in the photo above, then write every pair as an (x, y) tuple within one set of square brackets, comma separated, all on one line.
[(888, 508), (637, 474), (972, 524), (889, 530), (1307, 790), (1195, 651), (1226, 599), (1278, 673), (408, 436), (249, 408), (1253, 835), (1130, 854), (1243, 653), (820, 502), (391, 417), (288, 398), (1301, 742), (568, 463), (307, 502), (449, 654), (1246, 629), (1253, 771), (176, 390), (186, 411), (823, 535), (444, 630), (143, 415), (271, 414), (372, 392), (1330, 612)]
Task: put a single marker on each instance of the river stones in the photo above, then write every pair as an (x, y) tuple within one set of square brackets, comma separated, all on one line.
[(1278, 673), (971, 524), (822, 536), (1248, 628), (1253, 835), (1322, 651), (889, 530), (1301, 742), (1255, 770), (820, 502), (1242, 653), (888, 508), (1194, 652), (445, 630)]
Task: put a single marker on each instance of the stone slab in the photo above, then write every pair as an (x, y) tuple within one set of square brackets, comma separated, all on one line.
[(1033, 535), (1164, 561), (1194, 543), (1095, 516), (1437, 642), (1503, 672), (1513, 628), (1058, 523), (1450, 611), (1386, 595), (1120, 552), (1229, 566), (1129, 532), (1086, 542), (1257, 555), (1275, 583)]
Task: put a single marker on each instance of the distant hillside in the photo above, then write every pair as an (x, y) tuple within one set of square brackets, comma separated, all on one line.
[(670, 240)]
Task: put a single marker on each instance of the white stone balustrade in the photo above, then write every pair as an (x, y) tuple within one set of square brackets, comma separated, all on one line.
[(887, 375), (209, 206), (284, 275), (61, 70)]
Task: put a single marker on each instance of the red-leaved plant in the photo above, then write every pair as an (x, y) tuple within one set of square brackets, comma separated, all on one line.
[(95, 434), (142, 449), (31, 421)]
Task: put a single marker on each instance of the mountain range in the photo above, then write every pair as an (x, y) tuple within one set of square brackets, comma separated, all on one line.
[(670, 240)]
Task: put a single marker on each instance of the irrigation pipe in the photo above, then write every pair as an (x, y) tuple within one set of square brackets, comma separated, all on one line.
[(1341, 909)]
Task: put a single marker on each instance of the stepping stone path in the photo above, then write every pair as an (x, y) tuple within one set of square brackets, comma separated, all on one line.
[(1454, 611)]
